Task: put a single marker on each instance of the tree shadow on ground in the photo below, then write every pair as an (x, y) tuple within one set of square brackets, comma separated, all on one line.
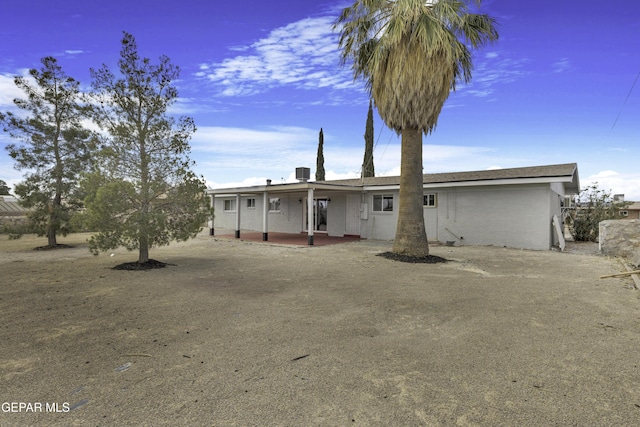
[(141, 266), (428, 259), (50, 248)]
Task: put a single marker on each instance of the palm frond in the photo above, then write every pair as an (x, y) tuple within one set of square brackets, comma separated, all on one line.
[(411, 53)]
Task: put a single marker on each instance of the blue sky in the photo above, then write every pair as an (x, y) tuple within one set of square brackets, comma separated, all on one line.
[(261, 79)]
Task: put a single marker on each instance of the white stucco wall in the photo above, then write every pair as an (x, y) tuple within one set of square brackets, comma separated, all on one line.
[(336, 216), (513, 216), (288, 219), (510, 215), (379, 225)]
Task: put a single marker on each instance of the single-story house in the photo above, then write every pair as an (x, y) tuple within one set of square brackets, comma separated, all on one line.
[(632, 211), (12, 214), (502, 207)]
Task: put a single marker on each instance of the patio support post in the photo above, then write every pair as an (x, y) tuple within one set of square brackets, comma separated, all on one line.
[(238, 216), (310, 221), (265, 216), (213, 216)]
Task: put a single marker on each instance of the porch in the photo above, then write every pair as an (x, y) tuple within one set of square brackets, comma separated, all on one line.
[(295, 239)]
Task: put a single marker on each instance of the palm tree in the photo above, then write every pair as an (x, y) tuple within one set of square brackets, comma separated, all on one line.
[(411, 53)]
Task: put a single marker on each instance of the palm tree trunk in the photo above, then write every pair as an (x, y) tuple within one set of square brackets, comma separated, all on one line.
[(411, 236)]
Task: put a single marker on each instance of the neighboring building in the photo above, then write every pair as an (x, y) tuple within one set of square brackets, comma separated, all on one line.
[(502, 207), (632, 211), (11, 213)]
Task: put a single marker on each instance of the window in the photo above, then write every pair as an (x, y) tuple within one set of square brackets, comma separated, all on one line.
[(383, 202), (430, 200), (229, 205), (274, 204), (251, 203)]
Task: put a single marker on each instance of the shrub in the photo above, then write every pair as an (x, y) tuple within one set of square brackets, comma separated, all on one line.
[(593, 205)]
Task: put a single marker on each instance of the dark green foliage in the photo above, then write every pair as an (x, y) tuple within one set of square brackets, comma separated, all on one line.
[(320, 158), (367, 165), (143, 194), (4, 189), (593, 206), (56, 147)]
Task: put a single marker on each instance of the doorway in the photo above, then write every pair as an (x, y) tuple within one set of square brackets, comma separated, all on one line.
[(319, 214)]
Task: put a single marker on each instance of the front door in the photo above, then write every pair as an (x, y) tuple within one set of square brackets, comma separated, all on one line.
[(319, 214), (352, 223)]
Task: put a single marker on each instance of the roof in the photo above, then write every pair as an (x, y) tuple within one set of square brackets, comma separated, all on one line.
[(551, 171), (566, 173), (9, 206)]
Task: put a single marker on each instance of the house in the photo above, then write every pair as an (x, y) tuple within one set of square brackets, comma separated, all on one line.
[(12, 214), (632, 211), (503, 207)]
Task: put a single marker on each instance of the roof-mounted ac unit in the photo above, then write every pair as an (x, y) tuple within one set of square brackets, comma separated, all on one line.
[(303, 174)]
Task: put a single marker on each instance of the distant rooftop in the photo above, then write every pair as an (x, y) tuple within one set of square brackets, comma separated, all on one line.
[(9, 206)]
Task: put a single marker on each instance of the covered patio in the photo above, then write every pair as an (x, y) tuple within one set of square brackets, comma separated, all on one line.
[(301, 239), (289, 208)]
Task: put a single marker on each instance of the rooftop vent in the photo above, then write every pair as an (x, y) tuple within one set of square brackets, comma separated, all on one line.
[(303, 174)]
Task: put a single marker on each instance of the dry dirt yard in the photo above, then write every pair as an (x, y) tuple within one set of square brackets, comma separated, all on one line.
[(251, 334)]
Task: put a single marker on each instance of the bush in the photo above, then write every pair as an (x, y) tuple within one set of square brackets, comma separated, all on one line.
[(593, 206)]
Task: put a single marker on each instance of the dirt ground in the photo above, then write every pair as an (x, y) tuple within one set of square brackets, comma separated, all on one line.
[(253, 334)]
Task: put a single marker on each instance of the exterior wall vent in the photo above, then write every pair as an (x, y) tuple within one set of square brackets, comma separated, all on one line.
[(303, 174)]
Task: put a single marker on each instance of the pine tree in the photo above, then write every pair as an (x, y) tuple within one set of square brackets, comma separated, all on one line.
[(56, 150), (4, 189), (150, 196)]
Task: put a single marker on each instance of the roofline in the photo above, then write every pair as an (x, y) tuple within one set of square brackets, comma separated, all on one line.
[(571, 179), (477, 183), (284, 188)]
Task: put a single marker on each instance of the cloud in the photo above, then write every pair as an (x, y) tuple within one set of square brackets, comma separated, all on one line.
[(9, 91), (230, 157), (241, 151), (303, 55), (73, 52), (561, 65), (618, 183), (493, 70)]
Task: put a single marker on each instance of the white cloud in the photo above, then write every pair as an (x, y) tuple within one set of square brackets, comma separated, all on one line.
[(303, 54), (9, 91), (618, 183), (563, 64), (230, 157), (493, 69)]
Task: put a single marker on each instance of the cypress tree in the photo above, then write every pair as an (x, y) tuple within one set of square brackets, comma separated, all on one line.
[(320, 158), (367, 165)]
